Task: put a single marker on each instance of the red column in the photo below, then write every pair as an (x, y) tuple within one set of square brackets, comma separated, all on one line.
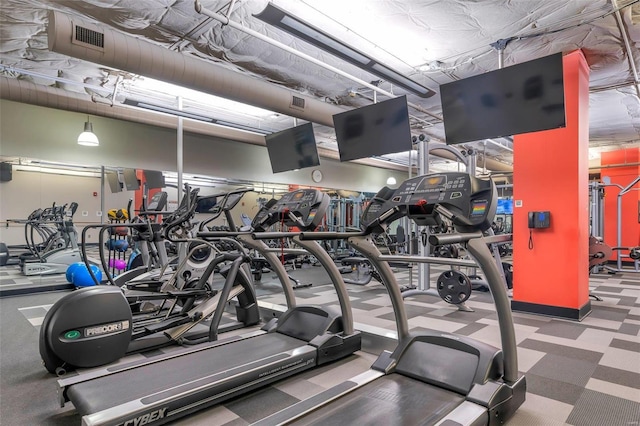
[(622, 167), (551, 173), (138, 195)]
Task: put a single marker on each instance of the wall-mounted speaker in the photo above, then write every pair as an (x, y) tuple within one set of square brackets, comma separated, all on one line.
[(6, 172)]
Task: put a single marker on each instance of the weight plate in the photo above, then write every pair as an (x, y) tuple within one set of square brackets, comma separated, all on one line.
[(454, 287)]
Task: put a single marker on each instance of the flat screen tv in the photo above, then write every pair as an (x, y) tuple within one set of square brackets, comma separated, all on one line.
[(154, 179), (522, 98), (504, 206), (131, 181), (114, 182), (292, 149), (377, 129)]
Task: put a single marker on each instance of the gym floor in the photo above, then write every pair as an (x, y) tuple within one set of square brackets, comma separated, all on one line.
[(578, 373)]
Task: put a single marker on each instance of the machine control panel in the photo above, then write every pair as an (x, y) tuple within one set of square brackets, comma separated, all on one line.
[(469, 201), (307, 206)]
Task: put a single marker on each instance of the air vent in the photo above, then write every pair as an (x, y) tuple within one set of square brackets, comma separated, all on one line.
[(297, 102), (88, 37)]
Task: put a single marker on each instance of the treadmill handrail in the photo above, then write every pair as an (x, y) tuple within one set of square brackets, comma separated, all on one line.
[(329, 265), (315, 249), (479, 250), (365, 246)]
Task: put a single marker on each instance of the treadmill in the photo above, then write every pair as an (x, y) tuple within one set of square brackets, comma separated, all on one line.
[(434, 378), (301, 338)]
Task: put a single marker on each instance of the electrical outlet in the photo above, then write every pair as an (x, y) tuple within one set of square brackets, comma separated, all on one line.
[(85, 213), (99, 213)]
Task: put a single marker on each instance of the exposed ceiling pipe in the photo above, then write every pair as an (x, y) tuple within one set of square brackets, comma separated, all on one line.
[(226, 21), (614, 166), (627, 46), (499, 145), (138, 56), (490, 164)]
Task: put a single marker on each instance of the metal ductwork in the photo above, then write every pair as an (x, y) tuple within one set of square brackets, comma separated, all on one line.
[(488, 163), (78, 39)]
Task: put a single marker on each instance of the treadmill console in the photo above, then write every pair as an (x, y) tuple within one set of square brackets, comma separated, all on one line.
[(232, 200), (157, 203), (307, 206), (469, 201)]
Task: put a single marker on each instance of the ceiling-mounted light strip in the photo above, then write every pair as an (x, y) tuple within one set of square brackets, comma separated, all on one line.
[(320, 38), (279, 18), (198, 117), (55, 171), (167, 110)]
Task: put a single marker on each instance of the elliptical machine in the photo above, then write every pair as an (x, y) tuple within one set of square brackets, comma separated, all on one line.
[(56, 258), (96, 325)]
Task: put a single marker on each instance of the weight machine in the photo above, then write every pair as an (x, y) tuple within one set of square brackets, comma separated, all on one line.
[(343, 214), (596, 225), (452, 286)]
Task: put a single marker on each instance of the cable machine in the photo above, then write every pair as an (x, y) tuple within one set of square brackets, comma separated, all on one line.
[(596, 222), (468, 159)]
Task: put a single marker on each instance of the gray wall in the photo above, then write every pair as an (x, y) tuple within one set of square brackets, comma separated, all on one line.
[(50, 134), (47, 134)]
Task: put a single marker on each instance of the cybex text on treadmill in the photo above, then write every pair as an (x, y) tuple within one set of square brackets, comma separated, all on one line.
[(147, 418)]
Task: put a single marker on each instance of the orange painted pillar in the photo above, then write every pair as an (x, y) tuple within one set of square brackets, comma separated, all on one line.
[(551, 173), (139, 193), (622, 167)]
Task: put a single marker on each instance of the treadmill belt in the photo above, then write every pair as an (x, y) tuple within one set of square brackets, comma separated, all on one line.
[(109, 391), (388, 400)]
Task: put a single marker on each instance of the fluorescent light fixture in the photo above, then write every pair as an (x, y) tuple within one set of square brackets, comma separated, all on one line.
[(54, 171), (323, 39), (166, 110), (192, 116), (88, 138), (150, 85), (241, 127), (400, 79), (279, 18)]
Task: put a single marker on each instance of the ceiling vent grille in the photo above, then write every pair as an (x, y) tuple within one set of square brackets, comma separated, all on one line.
[(88, 37), (297, 102)]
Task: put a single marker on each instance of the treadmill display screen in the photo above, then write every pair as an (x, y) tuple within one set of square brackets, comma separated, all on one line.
[(470, 200), (308, 205)]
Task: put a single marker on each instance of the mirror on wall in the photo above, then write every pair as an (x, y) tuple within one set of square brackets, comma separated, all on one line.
[(38, 184)]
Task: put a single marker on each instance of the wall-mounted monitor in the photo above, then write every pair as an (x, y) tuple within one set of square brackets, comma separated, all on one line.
[(131, 181), (377, 129), (114, 181), (522, 98), (292, 149), (505, 206), (154, 179)]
